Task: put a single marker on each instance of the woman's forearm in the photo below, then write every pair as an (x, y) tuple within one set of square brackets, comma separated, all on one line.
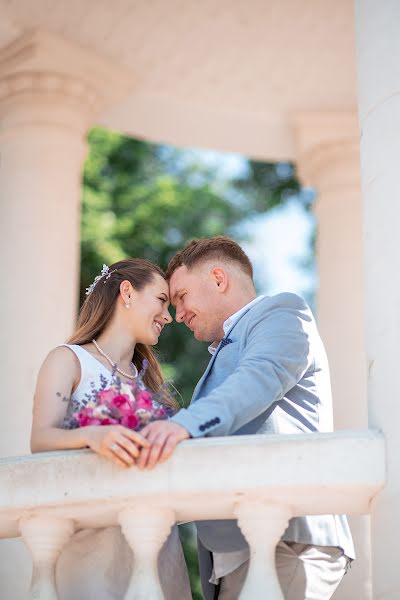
[(55, 438)]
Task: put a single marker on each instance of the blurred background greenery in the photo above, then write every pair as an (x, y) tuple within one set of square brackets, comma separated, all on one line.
[(147, 200)]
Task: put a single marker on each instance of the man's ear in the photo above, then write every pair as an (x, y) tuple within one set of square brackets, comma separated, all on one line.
[(220, 277)]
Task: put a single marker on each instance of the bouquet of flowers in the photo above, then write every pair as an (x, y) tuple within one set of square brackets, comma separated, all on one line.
[(119, 403)]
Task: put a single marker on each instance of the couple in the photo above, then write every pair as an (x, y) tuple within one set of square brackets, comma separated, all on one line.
[(269, 344)]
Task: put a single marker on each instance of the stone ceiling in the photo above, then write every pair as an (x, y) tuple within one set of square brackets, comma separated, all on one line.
[(231, 75)]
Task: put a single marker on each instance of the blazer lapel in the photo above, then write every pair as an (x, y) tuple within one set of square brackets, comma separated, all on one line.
[(203, 377), (214, 356)]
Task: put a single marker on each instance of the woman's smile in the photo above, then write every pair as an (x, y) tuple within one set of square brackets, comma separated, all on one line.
[(158, 327)]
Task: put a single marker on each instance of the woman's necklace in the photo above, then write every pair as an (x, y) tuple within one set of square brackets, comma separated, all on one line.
[(114, 365)]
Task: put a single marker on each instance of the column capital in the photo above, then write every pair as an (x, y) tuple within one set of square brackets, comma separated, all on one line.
[(327, 148), (33, 98), (39, 70)]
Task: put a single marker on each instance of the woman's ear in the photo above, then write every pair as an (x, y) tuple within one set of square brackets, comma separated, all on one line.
[(126, 291), (220, 277)]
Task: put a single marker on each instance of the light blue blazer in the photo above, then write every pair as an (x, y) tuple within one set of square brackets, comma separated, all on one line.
[(274, 354)]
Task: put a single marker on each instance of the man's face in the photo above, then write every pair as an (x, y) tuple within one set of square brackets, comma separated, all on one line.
[(198, 304)]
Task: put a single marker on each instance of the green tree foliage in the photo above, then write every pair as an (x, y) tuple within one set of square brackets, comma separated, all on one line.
[(188, 538)]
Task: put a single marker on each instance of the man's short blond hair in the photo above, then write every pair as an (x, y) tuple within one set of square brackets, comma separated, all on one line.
[(218, 248)]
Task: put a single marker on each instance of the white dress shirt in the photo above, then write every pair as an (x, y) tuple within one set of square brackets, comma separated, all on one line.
[(227, 562)]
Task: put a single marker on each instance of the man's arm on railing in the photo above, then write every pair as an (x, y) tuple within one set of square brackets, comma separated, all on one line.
[(276, 356)]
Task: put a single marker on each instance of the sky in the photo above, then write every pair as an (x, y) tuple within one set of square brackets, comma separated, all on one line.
[(279, 247)]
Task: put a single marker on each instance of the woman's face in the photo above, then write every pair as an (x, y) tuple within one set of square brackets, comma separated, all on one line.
[(149, 310)]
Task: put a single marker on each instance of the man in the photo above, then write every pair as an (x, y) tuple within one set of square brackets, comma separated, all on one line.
[(269, 346)]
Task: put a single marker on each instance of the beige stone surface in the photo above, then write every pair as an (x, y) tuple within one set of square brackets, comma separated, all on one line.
[(379, 111), (225, 74), (272, 80), (274, 477)]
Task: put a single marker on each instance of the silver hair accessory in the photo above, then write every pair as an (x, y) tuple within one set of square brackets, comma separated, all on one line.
[(106, 273)]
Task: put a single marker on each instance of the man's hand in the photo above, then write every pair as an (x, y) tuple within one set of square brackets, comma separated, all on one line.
[(163, 437)]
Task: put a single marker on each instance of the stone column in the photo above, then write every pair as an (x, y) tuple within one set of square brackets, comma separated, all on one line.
[(329, 162), (378, 49), (43, 125), (328, 149), (50, 94)]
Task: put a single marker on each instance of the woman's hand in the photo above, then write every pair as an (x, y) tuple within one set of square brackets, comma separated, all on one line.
[(115, 442)]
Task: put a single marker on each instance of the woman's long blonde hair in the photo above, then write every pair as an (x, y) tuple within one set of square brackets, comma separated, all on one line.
[(99, 307)]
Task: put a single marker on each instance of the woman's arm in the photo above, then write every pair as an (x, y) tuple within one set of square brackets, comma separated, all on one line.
[(58, 377)]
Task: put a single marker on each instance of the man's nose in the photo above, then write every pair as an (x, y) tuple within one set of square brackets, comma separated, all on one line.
[(167, 317)]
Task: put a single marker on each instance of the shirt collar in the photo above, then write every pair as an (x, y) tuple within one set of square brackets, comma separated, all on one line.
[(230, 321)]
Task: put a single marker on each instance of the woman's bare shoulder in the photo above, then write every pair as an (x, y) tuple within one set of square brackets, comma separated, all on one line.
[(61, 356)]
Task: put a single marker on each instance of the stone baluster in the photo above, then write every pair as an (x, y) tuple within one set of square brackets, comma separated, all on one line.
[(262, 524), (146, 529), (45, 537)]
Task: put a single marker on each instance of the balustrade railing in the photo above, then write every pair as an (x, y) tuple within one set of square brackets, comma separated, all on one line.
[(262, 481)]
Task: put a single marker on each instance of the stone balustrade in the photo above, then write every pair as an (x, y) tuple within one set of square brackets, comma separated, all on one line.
[(262, 481)]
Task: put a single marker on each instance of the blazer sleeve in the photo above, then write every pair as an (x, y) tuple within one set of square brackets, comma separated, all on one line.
[(275, 357)]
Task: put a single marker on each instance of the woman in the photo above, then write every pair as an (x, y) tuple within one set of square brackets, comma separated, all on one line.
[(124, 313)]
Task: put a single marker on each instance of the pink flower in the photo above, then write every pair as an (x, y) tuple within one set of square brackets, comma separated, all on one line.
[(143, 400), (130, 420), (105, 396), (109, 422), (121, 403), (85, 421), (84, 416)]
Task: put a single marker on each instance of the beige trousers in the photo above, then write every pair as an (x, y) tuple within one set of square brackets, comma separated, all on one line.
[(304, 572)]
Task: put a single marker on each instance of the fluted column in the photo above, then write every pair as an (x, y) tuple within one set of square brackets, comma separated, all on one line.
[(262, 525), (378, 48), (146, 529), (45, 538), (328, 160)]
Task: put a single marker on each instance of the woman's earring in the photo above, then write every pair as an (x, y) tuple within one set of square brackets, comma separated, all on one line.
[(127, 305)]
